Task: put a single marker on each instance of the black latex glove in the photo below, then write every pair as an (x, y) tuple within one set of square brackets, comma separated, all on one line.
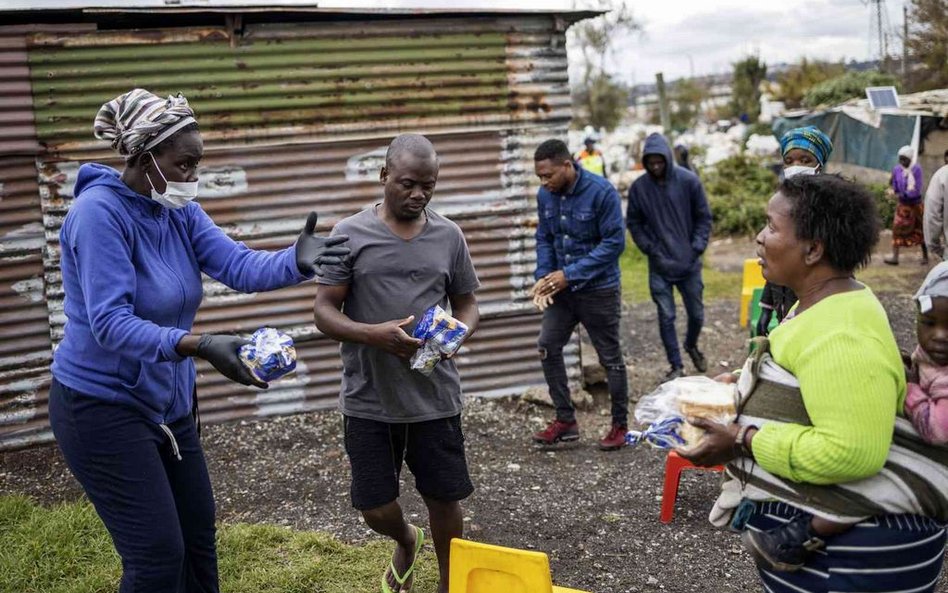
[(221, 351), (313, 252)]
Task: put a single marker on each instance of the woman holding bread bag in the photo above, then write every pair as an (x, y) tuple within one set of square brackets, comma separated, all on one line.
[(831, 489), (134, 245)]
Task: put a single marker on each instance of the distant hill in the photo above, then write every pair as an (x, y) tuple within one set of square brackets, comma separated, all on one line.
[(724, 78)]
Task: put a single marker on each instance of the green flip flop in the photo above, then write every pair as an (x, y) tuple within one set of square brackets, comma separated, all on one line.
[(419, 542)]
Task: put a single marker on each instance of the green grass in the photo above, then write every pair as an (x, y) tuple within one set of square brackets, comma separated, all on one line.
[(634, 266), (65, 549)]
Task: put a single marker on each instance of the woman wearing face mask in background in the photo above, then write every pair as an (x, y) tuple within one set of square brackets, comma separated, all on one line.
[(907, 225), (805, 152), (134, 245)]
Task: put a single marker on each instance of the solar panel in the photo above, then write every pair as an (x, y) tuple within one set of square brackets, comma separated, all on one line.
[(882, 97)]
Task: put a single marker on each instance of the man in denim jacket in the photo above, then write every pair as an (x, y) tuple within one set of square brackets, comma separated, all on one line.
[(580, 236)]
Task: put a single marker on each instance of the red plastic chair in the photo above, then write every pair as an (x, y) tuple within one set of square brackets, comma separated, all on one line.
[(674, 465)]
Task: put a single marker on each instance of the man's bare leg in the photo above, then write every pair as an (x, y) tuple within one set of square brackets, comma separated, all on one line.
[(389, 521), (447, 522)]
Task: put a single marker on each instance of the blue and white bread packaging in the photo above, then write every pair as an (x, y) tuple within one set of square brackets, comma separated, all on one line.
[(269, 355), (441, 334)]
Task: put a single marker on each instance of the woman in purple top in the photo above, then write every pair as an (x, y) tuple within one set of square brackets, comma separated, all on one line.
[(907, 226), (134, 246)]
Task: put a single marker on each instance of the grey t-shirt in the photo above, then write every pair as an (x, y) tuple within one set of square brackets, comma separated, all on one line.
[(391, 278)]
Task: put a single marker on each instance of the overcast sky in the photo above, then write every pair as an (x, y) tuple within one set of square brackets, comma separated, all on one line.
[(716, 33)]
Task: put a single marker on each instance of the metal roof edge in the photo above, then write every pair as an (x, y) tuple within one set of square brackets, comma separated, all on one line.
[(187, 6)]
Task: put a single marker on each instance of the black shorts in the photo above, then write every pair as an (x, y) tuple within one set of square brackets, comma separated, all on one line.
[(433, 450)]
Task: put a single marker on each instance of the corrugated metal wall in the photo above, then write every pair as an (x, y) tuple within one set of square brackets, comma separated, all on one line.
[(295, 118), (25, 352)]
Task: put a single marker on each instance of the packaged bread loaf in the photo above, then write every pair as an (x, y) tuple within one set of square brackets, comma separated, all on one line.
[(711, 400)]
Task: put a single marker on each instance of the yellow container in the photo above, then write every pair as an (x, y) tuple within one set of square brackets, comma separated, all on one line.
[(483, 568), (753, 278)]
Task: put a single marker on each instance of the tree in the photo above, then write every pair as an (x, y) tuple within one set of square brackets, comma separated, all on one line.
[(927, 44), (793, 83), (851, 85), (603, 103), (749, 73), (600, 101), (686, 98)]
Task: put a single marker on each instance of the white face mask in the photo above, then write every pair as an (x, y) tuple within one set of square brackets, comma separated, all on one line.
[(795, 170), (178, 194)]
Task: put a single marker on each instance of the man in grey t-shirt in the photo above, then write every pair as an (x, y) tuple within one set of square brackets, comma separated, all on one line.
[(405, 258)]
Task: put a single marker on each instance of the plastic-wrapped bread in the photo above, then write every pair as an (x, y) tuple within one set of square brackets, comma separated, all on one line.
[(269, 355), (711, 400), (441, 334)]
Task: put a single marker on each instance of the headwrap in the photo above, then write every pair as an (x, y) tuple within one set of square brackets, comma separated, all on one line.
[(935, 285), (139, 120), (907, 152), (809, 138)]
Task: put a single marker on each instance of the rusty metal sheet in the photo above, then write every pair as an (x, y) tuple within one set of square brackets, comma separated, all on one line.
[(299, 82), (25, 351), (17, 130), (296, 117), (261, 196)]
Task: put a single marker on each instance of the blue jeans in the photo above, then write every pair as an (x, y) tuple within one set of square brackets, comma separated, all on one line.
[(690, 288), (158, 509), (599, 311)]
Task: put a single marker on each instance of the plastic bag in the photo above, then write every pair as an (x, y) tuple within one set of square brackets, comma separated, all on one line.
[(666, 408), (441, 334), (269, 355)]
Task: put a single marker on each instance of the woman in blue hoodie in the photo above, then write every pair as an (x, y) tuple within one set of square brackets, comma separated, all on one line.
[(134, 245)]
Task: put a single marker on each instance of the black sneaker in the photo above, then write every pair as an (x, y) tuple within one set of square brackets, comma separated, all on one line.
[(698, 359), (783, 548), (674, 373)]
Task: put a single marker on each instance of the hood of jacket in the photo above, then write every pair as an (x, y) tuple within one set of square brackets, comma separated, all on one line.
[(657, 144), (93, 175)]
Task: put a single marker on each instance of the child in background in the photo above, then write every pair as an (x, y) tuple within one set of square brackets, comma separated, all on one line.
[(926, 397), (926, 405)]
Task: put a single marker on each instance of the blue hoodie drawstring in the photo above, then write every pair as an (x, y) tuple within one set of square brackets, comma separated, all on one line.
[(174, 443)]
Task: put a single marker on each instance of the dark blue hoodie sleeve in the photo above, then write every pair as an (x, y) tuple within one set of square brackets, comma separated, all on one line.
[(637, 224), (605, 254), (97, 235), (236, 265), (701, 214)]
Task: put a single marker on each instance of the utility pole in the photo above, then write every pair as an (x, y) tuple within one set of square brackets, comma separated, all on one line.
[(663, 103), (883, 50), (904, 46)]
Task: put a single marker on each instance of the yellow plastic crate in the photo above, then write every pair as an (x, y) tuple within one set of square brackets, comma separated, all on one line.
[(753, 278), (484, 568)]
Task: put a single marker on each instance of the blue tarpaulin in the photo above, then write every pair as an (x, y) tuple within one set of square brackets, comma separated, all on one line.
[(856, 142)]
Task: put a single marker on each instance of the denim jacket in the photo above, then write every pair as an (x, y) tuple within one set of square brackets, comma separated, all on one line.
[(581, 232)]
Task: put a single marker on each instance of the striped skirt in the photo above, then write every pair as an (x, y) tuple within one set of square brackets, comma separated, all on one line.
[(884, 554)]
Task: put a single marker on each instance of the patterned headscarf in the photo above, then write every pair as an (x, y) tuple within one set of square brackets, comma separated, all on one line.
[(809, 138), (139, 120)]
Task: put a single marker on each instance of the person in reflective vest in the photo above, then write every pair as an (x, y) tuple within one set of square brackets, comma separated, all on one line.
[(591, 159)]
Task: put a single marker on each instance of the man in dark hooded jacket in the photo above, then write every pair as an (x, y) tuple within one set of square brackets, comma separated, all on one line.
[(670, 221)]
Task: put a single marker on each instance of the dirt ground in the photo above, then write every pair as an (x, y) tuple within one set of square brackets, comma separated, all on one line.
[(594, 513)]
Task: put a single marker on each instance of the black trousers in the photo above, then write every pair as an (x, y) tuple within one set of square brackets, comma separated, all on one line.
[(158, 509), (599, 311)]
